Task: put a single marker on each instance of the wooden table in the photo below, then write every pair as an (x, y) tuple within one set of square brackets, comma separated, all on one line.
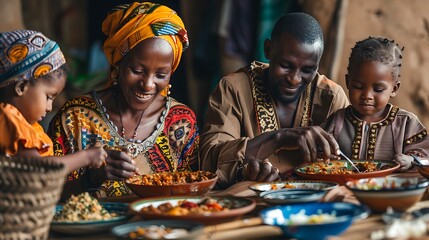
[(359, 230)]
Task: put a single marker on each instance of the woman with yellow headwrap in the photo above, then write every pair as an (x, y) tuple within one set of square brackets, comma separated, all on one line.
[(144, 46)]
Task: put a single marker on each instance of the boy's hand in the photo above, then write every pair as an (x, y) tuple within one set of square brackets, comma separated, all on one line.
[(404, 161)]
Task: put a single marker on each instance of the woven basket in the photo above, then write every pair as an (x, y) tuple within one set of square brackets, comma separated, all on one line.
[(29, 191)]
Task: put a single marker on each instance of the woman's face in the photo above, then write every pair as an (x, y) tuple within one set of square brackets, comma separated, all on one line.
[(293, 65), (371, 85), (145, 71)]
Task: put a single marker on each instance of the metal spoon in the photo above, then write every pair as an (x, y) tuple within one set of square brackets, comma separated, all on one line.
[(416, 159), (350, 161)]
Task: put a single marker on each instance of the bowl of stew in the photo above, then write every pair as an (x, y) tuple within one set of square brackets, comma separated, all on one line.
[(172, 183)]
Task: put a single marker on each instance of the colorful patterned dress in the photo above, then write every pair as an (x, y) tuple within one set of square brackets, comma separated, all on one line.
[(82, 122)]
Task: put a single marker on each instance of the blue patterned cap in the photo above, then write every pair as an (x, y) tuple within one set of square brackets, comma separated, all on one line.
[(27, 54)]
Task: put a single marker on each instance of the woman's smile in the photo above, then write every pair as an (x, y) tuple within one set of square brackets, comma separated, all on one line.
[(143, 96)]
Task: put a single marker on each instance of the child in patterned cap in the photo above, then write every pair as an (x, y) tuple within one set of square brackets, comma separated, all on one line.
[(32, 74)]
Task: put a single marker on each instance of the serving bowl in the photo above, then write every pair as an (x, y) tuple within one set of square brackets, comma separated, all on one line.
[(285, 196), (341, 171), (378, 194), (314, 220), (293, 185), (172, 183)]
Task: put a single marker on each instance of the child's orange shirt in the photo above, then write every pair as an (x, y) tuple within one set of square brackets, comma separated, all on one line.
[(14, 128)]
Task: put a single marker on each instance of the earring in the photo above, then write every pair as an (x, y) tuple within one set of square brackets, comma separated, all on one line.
[(168, 91), (114, 75)]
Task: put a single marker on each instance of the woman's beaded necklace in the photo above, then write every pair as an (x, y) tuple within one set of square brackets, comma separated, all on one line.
[(122, 124), (138, 146)]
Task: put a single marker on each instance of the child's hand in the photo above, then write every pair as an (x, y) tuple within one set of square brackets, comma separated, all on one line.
[(96, 156), (404, 161)]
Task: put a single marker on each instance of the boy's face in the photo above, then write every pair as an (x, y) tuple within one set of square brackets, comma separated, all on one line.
[(371, 85), (36, 99), (293, 65)]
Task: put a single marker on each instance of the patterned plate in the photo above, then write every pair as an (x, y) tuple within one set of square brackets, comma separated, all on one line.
[(85, 227)]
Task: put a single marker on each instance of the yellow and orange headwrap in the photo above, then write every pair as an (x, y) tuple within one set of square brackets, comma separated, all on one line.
[(128, 24)]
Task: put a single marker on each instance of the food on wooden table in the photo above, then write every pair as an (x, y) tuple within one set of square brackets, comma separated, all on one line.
[(184, 207), (82, 207), (337, 167), (402, 229), (157, 232), (171, 178)]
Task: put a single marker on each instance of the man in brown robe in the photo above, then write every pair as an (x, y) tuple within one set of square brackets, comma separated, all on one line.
[(262, 120)]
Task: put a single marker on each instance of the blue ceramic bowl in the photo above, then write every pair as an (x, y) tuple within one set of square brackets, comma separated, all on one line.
[(345, 214)]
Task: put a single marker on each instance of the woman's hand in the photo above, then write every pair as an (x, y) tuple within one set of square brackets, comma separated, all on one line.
[(119, 165), (404, 161), (261, 171)]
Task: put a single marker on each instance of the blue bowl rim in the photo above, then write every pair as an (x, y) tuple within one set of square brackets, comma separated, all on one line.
[(364, 212)]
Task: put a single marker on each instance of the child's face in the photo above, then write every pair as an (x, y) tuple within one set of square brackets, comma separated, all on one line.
[(36, 99), (371, 85)]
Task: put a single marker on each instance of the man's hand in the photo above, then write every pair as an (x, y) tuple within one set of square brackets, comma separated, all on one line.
[(261, 171)]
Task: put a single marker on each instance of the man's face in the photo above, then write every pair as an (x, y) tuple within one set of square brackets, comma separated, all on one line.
[(293, 65)]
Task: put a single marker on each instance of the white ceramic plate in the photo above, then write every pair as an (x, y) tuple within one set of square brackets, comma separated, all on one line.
[(85, 227)]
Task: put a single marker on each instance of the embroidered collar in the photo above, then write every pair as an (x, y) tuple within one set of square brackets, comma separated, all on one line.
[(263, 103), (359, 126)]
